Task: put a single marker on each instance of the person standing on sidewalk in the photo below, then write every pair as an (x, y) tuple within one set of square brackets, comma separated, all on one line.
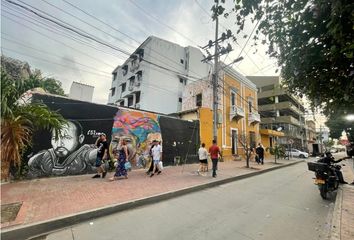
[(121, 152), (214, 151), (102, 151), (203, 158), (260, 153), (156, 152)]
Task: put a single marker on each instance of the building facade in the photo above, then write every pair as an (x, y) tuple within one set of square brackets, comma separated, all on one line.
[(154, 77), (238, 115), (82, 92), (281, 111)]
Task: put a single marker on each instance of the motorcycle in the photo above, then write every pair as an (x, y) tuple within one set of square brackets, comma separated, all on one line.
[(326, 177)]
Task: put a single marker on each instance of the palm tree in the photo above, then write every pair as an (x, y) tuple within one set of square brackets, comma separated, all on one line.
[(18, 122)]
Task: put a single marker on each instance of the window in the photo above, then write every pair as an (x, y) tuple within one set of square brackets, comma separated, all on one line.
[(183, 81), (121, 103), (130, 101), (252, 139), (114, 76), (137, 97), (140, 53), (125, 70), (250, 104), (182, 61), (139, 76), (113, 91), (131, 81), (124, 86), (180, 100), (199, 100), (233, 99)]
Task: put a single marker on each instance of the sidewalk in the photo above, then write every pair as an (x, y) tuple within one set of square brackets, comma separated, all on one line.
[(52, 198), (343, 216)]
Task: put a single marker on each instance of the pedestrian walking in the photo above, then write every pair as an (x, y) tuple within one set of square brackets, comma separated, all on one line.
[(214, 151), (121, 153), (102, 153), (156, 152), (151, 166), (203, 159), (260, 153)]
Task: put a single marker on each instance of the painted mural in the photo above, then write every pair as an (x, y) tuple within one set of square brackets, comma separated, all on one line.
[(74, 151), (68, 155), (138, 129)]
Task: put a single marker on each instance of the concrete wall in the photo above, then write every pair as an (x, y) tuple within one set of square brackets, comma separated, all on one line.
[(81, 92), (73, 152)]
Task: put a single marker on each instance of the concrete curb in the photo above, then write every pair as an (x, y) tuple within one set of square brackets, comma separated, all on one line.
[(337, 214), (45, 227)]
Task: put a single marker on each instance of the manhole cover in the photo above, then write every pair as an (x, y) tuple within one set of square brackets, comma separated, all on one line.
[(9, 211)]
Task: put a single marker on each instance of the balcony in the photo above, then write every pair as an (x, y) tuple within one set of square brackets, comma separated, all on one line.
[(236, 112), (254, 118)]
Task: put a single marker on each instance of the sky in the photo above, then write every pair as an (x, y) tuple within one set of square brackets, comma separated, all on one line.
[(124, 24)]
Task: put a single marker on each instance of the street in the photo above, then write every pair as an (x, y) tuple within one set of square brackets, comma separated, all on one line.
[(281, 204)]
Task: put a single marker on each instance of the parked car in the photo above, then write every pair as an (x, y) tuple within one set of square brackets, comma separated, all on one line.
[(297, 153)]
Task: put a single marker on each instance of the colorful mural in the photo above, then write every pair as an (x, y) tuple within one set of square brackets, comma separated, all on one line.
[(138, 129), (74, 151)]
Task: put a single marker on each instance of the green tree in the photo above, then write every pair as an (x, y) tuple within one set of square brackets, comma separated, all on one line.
[(50, 85), (18, 122), (312, 41), (277, 151), (337, 124)]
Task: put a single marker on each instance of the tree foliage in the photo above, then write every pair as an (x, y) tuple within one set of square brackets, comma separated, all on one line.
[(337, 123), (19, 121), (312, 42), (50, 85)]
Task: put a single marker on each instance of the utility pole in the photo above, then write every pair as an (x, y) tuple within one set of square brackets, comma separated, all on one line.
[(218, 51), (216, 76)]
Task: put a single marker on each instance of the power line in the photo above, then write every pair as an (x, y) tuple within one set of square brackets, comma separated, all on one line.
[(67, 26), (51, 54), (160, 22), (153, 50), (47, 61), (60, 34), (176, 72), (99, 29)]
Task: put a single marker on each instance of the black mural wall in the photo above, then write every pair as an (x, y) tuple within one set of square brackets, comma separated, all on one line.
[(74, 151)]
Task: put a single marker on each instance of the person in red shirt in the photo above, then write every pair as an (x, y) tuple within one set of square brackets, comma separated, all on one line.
[(214, 151)]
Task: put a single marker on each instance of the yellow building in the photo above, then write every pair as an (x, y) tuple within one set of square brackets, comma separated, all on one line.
[(238, 116)]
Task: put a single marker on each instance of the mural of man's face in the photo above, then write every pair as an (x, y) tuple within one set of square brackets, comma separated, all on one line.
[(130, 141), (68, 141)]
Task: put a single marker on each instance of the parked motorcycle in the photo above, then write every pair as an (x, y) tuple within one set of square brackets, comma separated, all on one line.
[(326, 175)]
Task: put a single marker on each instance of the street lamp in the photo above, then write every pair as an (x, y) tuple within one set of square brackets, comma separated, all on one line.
[(350, 117)]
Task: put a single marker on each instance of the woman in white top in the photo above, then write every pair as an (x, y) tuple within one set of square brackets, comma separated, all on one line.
[(203, 159)]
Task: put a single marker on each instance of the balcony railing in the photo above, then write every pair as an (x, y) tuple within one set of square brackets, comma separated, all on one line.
[(254, 118), (236, 112)]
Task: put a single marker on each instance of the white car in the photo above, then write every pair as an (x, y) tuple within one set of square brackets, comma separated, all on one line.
[(297, 153)]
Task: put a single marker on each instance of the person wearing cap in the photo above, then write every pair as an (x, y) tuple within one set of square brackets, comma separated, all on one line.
[(102, 151)]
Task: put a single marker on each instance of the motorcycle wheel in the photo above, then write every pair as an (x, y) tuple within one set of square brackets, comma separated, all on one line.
[(323, 190)]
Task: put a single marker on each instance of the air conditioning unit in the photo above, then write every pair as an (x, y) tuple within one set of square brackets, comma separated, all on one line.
[(137, 105), (131, 87)]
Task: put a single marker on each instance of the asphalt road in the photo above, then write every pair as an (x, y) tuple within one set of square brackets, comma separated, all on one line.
[(282, 204)]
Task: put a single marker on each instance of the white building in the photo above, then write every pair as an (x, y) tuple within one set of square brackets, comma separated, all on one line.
[(154, 76), (80, 91)]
